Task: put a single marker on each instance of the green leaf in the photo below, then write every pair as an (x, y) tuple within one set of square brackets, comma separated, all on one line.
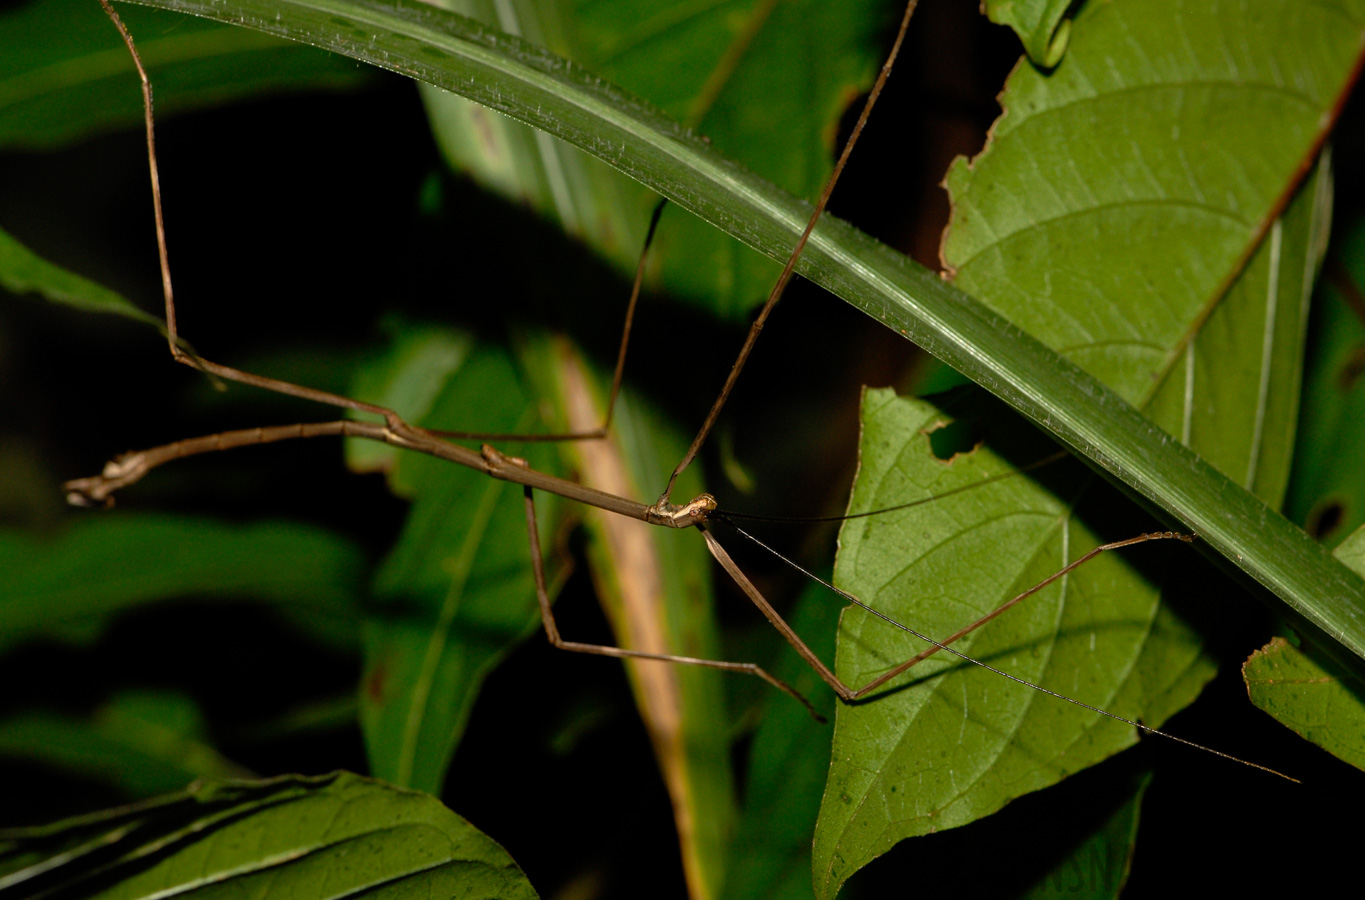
[(1133, 136), (1040, 24), (1314, 699), (1327, 487), (1308, 694), (141, 742), (1098, 866), (22, 272), (951, 742), (1200, 323), (456, 593), (327, 836), (738, 72), (419, 361), (99, 565), (61, 78), (541, 90)]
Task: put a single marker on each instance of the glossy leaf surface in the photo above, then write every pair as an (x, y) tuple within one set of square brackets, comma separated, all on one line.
[(949, 742), (321, 837)]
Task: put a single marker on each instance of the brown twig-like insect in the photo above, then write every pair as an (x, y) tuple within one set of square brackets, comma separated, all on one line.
[(698, 512)]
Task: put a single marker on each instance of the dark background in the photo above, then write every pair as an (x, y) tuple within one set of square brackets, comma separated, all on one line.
[(275, 264)]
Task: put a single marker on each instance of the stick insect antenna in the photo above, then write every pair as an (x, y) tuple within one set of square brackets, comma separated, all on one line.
[(782, 280)]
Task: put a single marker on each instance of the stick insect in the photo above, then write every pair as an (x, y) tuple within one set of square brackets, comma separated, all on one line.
[(491, 461)]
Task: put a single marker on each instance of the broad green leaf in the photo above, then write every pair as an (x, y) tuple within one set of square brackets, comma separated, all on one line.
[(542, 90), (1150, 128), (144, 743), (738, 71), (100, 565), (1041, 24), (24, 272), (1114, 142), (456, 593), (1077, 839), (951, 742), (65, 75), (326, 836), (1327, 488)]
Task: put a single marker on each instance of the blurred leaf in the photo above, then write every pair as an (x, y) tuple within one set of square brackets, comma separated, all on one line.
[(1327, 488), (419, 360), (456, 593), (22, 271), (1040, 24), (655, 587), (327, 836), (1098, 866), (141, 742), (738, 71), (101, 565), (64, 73), (770, 855)]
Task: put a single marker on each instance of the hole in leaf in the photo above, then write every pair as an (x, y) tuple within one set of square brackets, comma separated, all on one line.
[(1325, 518), (948, 440)]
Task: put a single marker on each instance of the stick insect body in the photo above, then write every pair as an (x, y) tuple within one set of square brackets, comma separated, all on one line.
[(697, 512)]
